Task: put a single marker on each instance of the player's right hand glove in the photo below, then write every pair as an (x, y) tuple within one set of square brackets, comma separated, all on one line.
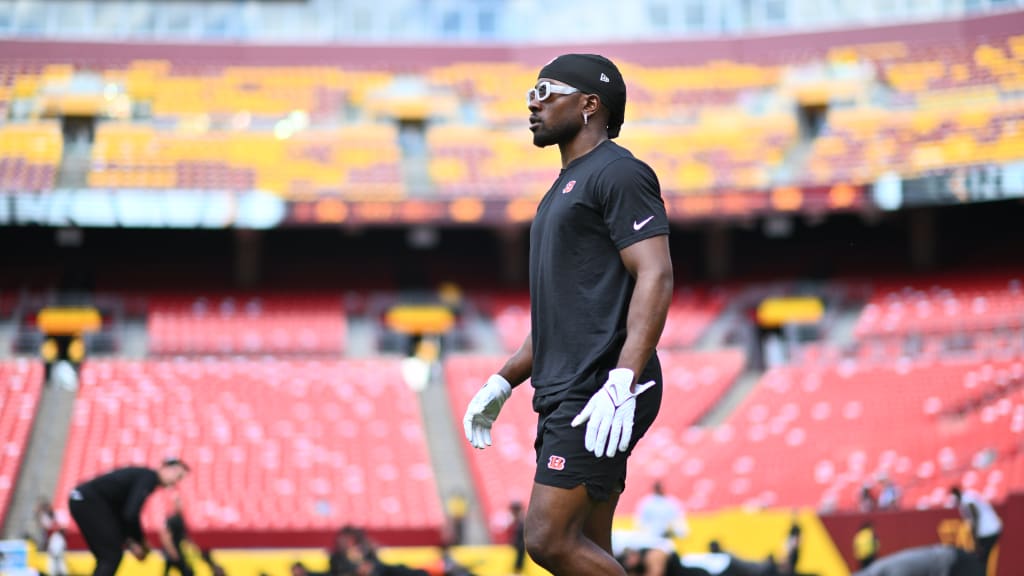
[(483, 410), (609, 414)]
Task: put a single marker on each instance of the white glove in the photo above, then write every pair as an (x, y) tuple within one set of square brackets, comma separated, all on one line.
[(483, 410), (610, 412)]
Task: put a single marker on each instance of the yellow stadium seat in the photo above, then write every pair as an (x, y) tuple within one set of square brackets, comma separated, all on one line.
[(306, 164)]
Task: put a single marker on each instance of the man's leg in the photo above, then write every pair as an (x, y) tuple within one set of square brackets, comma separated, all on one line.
[(107, 562), (181, 565), (598, 525), (555, 537), (983, 547), (101, 529)]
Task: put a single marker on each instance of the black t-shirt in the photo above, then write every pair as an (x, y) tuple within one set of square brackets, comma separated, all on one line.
[(580, 290), (125, 490)]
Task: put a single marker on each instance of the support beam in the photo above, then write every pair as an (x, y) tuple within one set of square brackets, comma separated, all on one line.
[(248, 258), (717, 252), (922, 232)]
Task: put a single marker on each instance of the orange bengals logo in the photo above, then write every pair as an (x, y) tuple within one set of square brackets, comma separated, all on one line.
[(556, 463), (568, 187)]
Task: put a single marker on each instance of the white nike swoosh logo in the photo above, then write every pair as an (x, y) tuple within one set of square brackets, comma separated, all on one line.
[(642, 223)]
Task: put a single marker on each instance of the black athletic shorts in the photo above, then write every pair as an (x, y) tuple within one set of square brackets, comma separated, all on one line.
[(562, 457)]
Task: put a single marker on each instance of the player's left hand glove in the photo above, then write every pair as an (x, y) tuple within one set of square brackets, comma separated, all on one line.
[(610, 414), (483, 409)]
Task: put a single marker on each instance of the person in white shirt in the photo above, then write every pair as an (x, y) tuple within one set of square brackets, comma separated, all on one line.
[(56, 545), (986, 527), (888, 496), (661, 515)]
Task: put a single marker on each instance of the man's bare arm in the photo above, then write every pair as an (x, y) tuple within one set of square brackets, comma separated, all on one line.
[(519, 367), (650, 263)]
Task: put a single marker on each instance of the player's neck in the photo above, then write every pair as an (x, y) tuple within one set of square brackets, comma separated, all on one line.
[(584, 142)]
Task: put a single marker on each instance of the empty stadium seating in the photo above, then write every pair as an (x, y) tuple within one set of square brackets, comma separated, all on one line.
[(484, 161), (183, 89), (945, 305), (725, 149), (21, 382), (498, 89), (29, 156), (690, 313), (276, 446), (503, 473), (922, 67), (660, 93), (724, 123), (350, 161), (858, 145), (512, 320), (269, 324), (811, 436)]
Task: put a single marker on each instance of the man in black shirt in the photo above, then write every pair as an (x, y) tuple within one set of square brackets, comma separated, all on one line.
[(107, 510), (600, 287)]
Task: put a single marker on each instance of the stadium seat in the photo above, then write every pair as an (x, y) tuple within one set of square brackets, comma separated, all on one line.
[(689, 315), (944, 306), (482, 161), (725, 149), (234, 324), (289, 445), (350, 161), (813, 436), (21, 383), (29, 155)]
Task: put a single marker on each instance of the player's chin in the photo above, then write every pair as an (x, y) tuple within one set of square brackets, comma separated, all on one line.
[(541, 139)]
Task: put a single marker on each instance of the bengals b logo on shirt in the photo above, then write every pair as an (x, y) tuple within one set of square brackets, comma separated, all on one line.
[(556, 463)]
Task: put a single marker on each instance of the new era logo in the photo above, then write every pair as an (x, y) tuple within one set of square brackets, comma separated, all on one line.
[(604, 78), (556, 463)]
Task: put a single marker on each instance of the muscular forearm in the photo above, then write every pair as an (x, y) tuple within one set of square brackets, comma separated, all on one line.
[(646, 318), (519, 367)]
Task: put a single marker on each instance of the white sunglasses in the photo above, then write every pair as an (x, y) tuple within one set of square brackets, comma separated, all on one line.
[(545, 89)]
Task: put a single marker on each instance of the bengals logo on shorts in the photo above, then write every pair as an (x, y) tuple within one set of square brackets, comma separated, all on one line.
[(556, 463)]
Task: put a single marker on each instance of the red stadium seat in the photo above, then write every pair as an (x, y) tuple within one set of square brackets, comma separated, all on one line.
[(944, 306), (299, 445), (809, 436), (21, 383), (689, 315), (230, 324)]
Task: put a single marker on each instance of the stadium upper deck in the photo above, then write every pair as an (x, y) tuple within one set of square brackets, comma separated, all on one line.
[(790, 122)]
